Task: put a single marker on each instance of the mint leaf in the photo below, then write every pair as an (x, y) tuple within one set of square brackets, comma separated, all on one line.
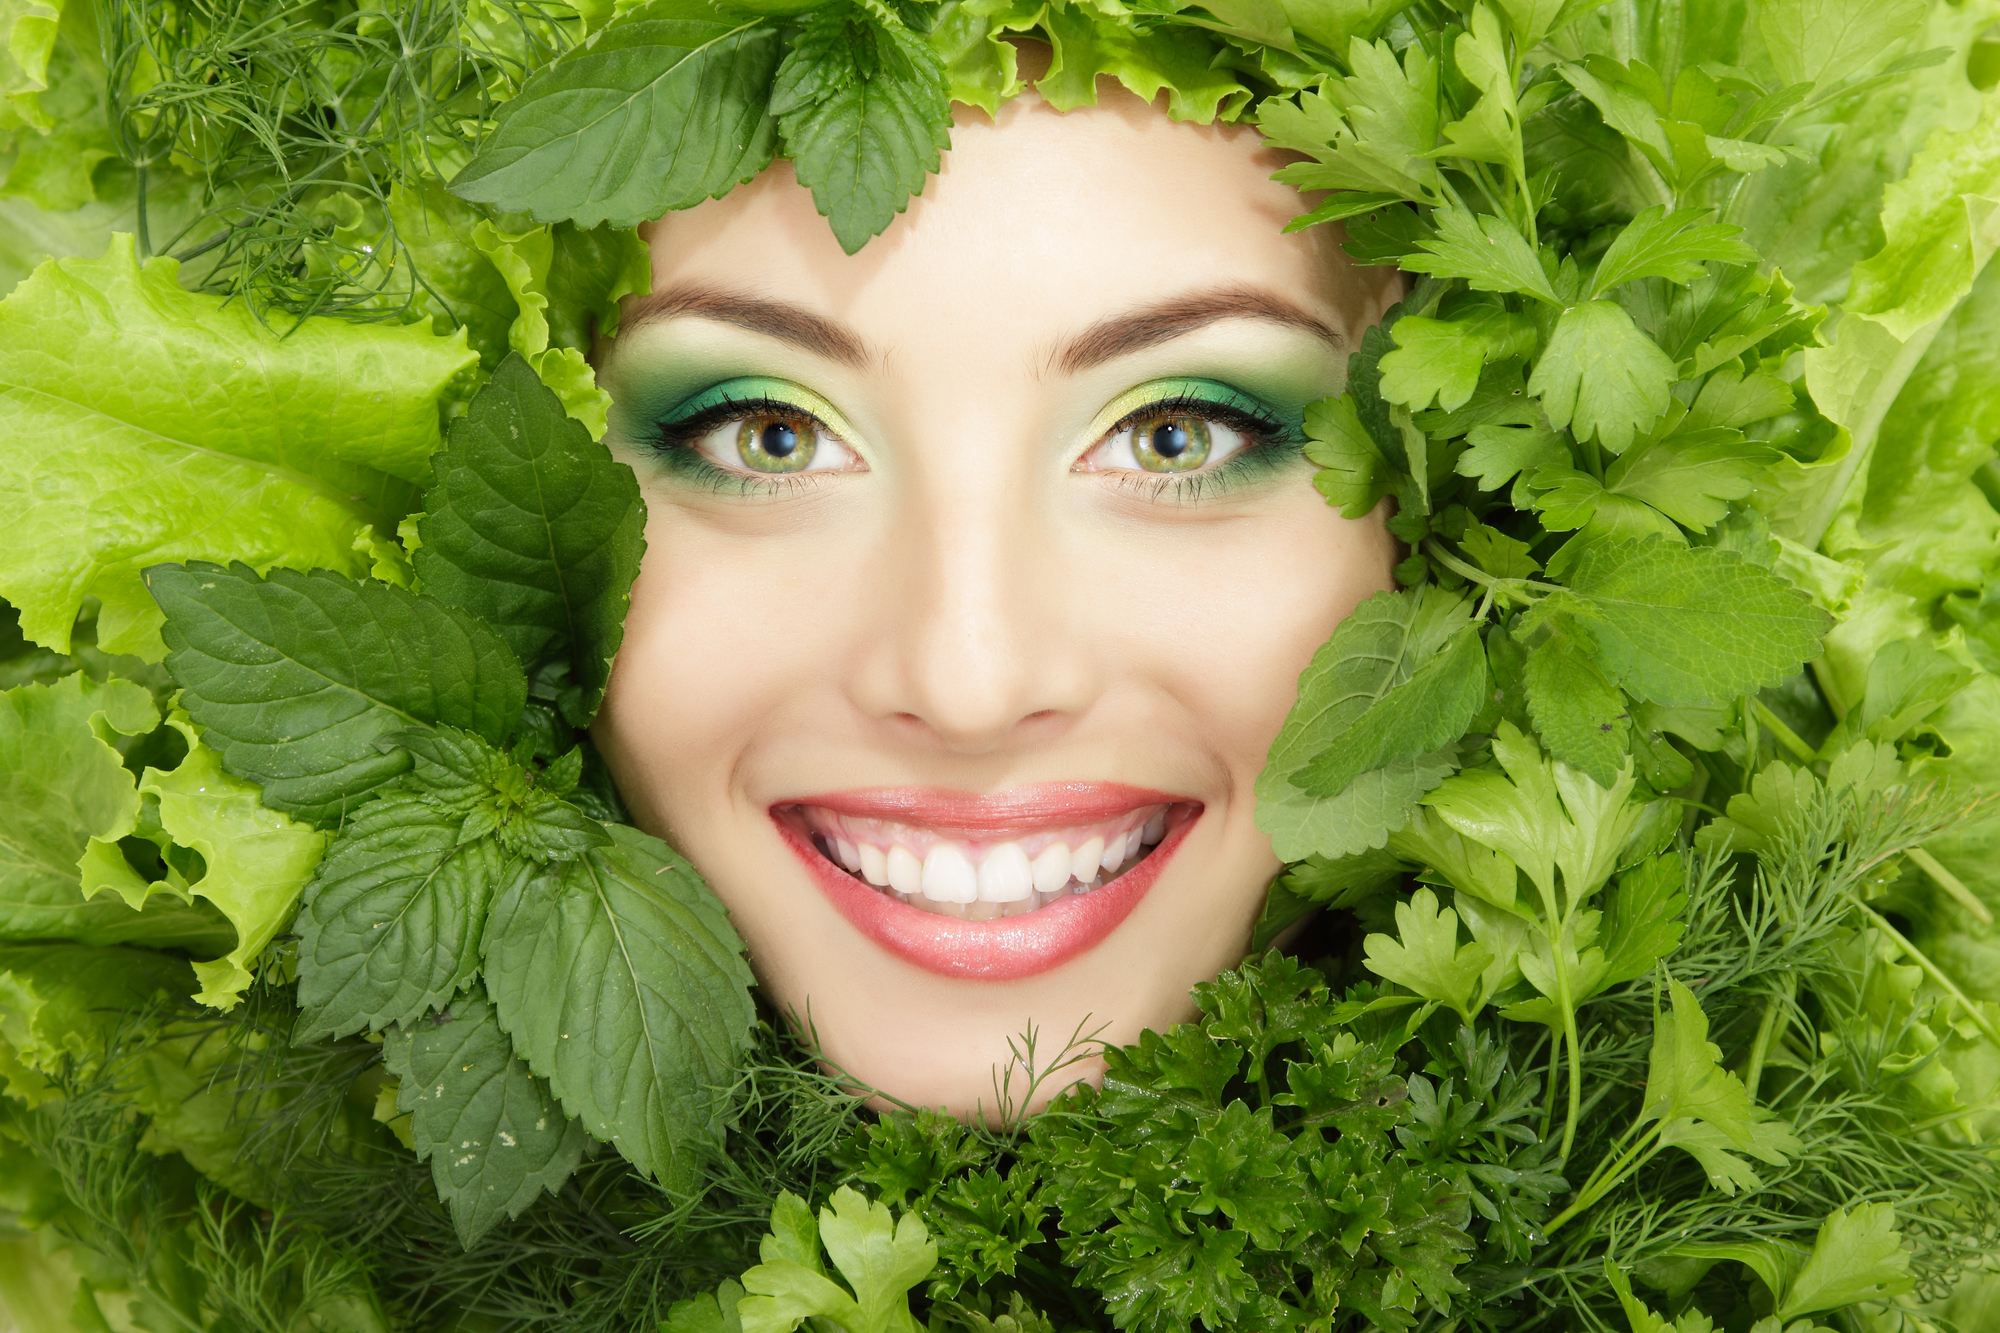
[(149, 423), (1674, 246), (1353, 475), (1580, 716), (864, 112), (1424, 955), (1486, 251), (296, 677), (621, 981), (1385, 641), (494, 1136), (391, 923), (1418, 715), (535, 529), (662, 109), (523, 810), (1686, 625), (1600, 376), (1857, 1256)]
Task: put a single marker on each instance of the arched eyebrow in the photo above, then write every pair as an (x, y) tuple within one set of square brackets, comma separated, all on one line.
[(1177, 316), (774, 319)]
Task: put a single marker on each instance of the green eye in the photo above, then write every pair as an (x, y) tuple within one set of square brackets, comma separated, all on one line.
[(1171, 443), (771, 442)]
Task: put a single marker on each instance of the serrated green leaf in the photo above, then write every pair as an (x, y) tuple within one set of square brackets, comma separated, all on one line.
[(151, 424), (1440, 359), (1857, 1256), (1491, 131), (621, 981), (1488, 253), (495, 1137), (1353, 475), (1686, 625), (1691, 478), (668, 105), (1600, 376), (708, 1312), (1580, 716), (1702, 1107), (879, 1257), (1380, 645), (534, 528), (1498, 453), (1642, 919), (1425, 956), (865, 113), (391, 922), (1415, 717), (1497, 553), (295, 678), (63, 784), (1729, 399), (1674, 246), (1178, 61), (1372, 135)]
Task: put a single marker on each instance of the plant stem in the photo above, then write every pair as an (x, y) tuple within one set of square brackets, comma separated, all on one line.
[(1933, 971), (1951, 884), (1785, 735), (1753, 1073)]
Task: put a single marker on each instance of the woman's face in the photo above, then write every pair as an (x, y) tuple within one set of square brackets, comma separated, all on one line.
[(980, 569)]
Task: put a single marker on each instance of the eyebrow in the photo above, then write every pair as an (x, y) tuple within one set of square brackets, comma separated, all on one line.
[(1177, 316), (801, 328)]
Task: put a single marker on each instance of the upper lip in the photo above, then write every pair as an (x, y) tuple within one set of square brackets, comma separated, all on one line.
[(1016, 812)]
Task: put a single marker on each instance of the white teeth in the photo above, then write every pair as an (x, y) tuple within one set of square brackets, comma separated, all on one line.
[(906, 873), (874, 867), (1051, 868), (1004, 876), (1156, 828), (850, 856), (1114, 852), (1083, 861), (948, 876)]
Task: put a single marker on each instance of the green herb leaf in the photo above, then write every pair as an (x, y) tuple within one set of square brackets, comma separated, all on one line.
[(1600, 376), (1702, 1107), (1857, 1256), (1425, 956), (494, 1136), (536, 529), (708, 1312), (1824, 41), (391, 923), (1690, 478), (1440, 360), (1387, 639), (621, 981), (295, 678), (1580, 716), (1383, 152), (1498, 453), (864, 112), (1686, 625), (169, 426), (1353, 475), (880, 1258), (1414, 717), (1674, 246), (1643, 918), (1488, 252), (669, 103)]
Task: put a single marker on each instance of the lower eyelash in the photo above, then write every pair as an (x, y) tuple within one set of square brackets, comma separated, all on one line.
[(1189, 487)]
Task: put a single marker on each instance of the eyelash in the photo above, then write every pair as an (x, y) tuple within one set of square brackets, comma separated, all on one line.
[(1266, 434)]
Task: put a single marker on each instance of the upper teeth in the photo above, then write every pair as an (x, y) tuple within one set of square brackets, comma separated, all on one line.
[(933, 870)]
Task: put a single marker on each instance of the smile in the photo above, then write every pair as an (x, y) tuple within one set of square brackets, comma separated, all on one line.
[(993, 887)]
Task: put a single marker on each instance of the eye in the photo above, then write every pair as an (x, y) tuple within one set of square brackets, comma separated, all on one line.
[(774, 442), (1166, 440)]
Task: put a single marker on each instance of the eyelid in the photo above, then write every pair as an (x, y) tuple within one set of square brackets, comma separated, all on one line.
[(1136, 400), (751, 389)]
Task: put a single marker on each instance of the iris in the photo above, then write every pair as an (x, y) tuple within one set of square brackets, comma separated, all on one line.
[(768, 443), (1171, 443)]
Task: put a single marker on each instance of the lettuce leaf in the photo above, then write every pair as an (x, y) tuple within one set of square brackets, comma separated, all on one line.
[(150, 424)]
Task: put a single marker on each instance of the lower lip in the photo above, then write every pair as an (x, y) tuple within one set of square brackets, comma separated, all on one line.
[(1004, 949)]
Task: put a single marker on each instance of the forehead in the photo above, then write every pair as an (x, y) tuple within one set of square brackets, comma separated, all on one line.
[(1038, 222)]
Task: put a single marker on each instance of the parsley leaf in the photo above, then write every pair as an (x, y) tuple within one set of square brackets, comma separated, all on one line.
[(1600, 376), (1488, 252), (1674, 246), (879, 1257), (1425, 956), (495, 1137)]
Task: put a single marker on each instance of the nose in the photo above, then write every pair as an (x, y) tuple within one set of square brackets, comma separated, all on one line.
[(979, 644)]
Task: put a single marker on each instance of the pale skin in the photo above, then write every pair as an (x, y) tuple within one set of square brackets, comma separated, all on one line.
[(970, 592)]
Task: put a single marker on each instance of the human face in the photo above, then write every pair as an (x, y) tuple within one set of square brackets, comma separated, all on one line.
[(988, 548)]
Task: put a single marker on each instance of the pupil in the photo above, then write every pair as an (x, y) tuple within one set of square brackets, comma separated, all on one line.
[(1171, 439), (778, 439)]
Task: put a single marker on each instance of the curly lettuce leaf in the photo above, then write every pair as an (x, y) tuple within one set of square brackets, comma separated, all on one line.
[(152, 424)]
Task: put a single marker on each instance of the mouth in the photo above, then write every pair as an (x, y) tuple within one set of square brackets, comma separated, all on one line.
[(992, 888)]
